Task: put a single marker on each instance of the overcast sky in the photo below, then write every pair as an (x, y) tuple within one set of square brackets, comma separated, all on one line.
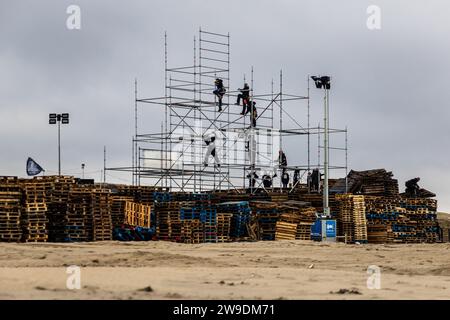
[(390, 86)]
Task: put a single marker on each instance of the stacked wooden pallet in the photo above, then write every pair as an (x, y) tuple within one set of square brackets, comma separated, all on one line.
[(406, 220), (138, 215), (372, 182), (286, 230), (303, 218), (34, 209), (101, 217), (278, 196), (10, 201), (57, 207), (78, 220), (168, 223), (224, 227), (241, 217), (192, 231), (352, 218), (118, 209), (267, 214), (379, 233)]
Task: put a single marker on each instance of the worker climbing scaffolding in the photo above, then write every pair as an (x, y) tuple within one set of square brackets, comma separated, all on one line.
[(244, 95), (219, 91)]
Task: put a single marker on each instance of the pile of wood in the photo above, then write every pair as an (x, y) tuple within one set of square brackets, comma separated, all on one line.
[(168, 223), (101, 217), (34, 209), (192, 231), (57, 204), (352, 218), (224, 227), (285, 230), (118, 209), (138, 215), (78, 219), (406, 220), (267, 215), (10, 206), (241, 217), (301, 218), (372, 182)]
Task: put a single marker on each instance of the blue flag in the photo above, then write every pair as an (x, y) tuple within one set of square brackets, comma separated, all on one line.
[(33, 168)]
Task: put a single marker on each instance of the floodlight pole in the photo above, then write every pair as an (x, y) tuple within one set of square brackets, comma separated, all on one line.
[(326, 208), (59, 147)]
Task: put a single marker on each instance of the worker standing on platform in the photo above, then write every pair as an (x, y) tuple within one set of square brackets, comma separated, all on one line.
[(315, 180), (285, 178), (219, 91), (296, 178), (282, 160), (244, 95), (211, 151), (309, 181), (252, 179)]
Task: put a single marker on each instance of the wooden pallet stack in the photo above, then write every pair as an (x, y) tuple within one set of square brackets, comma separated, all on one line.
[(303, 218), (286, 230), (10, 209), (34, 209), (267, 214), (57, 207), (101, 217), (224, 227), (372, 182), (406, 220), (138, 215), (352, 218), (241, 217), (278, 196), (118, 209), (168, 223), (78, 224), (192, 231)]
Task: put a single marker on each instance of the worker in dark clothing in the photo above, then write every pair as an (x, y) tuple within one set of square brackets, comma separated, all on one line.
[(252, 179), (296, 178), (267, 180), (412, 188), (282, 160), (285, 178), (309, 181), (244, 95), (315, 180), (254, 114), (219, 91)]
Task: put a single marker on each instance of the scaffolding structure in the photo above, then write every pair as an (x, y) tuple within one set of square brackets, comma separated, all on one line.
[(178, 157)]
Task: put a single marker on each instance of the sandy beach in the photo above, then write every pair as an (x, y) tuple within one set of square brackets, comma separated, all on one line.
[(252, 270)]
